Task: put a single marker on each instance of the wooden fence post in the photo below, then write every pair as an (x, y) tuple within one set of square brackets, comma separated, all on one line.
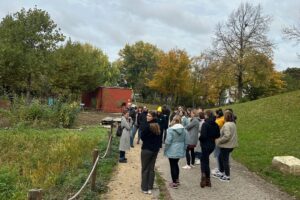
[(93, 184), (110, 135), (35, 194)]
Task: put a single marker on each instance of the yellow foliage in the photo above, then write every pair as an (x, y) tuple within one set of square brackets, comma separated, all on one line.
[(172, 75)]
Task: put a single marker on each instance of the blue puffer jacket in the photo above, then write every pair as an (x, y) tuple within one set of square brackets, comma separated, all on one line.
[(175, 144)]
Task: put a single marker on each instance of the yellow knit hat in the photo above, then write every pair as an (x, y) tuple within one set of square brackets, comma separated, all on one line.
[(159, 109)]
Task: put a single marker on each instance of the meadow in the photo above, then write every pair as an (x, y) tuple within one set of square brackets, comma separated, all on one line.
[(266, 128), (56, 160)]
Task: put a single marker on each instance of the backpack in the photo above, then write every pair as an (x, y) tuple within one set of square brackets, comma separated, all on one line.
[(119, 131)]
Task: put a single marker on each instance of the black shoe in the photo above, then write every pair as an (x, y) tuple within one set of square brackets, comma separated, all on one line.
[(123, 161), (132, 146)]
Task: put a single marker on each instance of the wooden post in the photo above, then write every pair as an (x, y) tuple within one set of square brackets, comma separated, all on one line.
[(110, 135), (93, 184), (35, 194)]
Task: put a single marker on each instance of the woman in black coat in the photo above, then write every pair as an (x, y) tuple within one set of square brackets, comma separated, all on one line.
[(209, 132), (150, 135)]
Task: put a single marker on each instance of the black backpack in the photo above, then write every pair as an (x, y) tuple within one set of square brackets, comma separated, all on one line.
[(119, 131)]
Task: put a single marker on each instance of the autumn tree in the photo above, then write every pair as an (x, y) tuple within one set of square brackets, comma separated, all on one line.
[(172, 75), (244, 31), (137, 63), (27, 38), (261, 78)]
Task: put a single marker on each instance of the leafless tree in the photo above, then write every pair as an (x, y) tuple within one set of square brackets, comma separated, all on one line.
[(244, 32), (292, 33)]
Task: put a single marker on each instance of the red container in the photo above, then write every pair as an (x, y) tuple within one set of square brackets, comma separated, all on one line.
[(107, 99)]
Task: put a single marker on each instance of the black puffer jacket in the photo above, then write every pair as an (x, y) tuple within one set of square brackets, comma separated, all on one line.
[(209, 132)]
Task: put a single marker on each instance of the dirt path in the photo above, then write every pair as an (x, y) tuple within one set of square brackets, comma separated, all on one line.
[(126, 182), (244, 185)]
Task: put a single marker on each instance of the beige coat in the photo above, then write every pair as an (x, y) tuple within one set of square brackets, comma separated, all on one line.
[(228, 138)]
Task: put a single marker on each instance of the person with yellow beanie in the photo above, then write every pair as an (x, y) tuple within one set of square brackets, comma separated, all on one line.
[(161, 120)]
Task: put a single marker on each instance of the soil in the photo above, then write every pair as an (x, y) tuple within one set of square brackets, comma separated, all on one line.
[(93, 117)]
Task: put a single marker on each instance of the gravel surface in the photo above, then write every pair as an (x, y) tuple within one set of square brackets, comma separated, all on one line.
[(126, 183), (244, 185)]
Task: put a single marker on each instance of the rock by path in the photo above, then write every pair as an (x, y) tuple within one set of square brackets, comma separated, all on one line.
[(244, 185), (126, 182)]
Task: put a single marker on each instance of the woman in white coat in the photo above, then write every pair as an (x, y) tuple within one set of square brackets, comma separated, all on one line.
[(125, 137)]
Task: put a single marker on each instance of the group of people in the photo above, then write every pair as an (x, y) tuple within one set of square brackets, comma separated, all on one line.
[(187, 133)]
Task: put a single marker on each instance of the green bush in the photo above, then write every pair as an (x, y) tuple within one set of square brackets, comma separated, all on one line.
[(38, 114), (66, 113)]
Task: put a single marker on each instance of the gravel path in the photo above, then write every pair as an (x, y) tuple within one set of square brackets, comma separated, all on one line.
[(244, 185), (126, 182)]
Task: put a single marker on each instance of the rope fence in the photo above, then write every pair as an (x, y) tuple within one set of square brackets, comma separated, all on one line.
[(36, 194), (93, 169)]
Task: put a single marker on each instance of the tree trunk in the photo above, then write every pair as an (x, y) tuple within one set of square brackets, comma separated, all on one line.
[(28, 91), (240, 83)]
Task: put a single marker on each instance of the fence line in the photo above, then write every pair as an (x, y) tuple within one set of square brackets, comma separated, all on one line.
[(94, 167)]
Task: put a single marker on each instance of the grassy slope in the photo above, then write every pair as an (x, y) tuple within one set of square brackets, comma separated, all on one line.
[(57, 160), (270, 127)]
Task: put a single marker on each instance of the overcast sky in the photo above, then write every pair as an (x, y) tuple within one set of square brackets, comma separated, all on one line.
[(185, 24)]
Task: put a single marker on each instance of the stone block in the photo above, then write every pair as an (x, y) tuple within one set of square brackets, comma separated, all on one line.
[(287, 164)]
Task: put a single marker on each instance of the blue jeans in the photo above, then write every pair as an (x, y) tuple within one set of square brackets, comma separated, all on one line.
[(132, 135), (216, 155)]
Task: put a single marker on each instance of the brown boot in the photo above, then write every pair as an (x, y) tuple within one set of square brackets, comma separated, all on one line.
[(207, 182), (203, 181)]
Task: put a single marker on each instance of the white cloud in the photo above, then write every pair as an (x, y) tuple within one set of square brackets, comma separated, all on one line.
[(184, 24)]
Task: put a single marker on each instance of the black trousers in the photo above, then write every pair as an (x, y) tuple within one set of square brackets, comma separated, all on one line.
[(224, 160), (188, 155), (148, 159), (174, 169), (122, 155), (205, 160)]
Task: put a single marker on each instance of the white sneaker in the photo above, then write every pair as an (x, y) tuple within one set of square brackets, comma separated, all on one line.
[(215, 171), (193, 166), (197, 162), (186, 167), (144, 191), (149, 191)]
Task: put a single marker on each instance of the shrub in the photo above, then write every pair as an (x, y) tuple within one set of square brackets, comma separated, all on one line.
[(66, 113), (37, 114)]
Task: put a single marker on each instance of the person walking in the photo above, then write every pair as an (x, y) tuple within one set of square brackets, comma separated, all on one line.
[(175, 146), (209, 132), (150, 135), (125, 137), (227, 142), (192, 138)]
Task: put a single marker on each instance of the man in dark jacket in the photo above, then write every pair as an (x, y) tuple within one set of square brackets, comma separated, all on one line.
[(209, 132)]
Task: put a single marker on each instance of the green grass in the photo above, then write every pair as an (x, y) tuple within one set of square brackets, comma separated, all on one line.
[(266, 128), (163, 190), (56, 160)]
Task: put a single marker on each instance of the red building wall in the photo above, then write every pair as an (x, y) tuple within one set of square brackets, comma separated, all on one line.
[(108, 99), (113, 98)]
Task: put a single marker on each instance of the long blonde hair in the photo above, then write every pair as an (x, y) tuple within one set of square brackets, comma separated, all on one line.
[(176, 120)]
